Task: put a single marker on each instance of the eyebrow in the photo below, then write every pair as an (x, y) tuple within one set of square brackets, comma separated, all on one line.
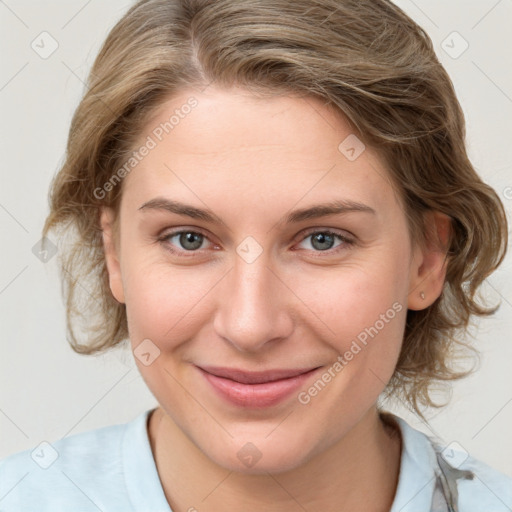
[(336, 207)]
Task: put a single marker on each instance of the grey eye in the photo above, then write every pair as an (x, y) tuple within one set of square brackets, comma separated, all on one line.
[(188, 240), (322, 241)]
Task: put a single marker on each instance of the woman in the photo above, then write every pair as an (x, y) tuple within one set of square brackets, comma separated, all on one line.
[(277, 209)]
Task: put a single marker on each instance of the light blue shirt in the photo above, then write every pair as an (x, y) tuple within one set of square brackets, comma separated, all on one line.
[(111, 469)]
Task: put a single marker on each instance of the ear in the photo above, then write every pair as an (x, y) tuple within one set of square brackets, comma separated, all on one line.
[(111, 250), (428, 267)]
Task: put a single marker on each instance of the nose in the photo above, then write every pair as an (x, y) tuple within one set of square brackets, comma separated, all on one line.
[(254, 306)]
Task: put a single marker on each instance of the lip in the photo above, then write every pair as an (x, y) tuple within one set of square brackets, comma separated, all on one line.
[(255, 390)]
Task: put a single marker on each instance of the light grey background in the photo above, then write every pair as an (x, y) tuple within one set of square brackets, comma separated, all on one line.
[(47, 391)]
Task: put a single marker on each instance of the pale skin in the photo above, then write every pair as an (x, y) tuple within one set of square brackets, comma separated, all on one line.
[(251, 162)]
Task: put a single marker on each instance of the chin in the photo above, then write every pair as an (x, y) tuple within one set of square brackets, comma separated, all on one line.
[(260, 456)]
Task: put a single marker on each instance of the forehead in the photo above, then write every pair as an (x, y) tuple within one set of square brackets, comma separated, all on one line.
[(232, 142), (227, 120)]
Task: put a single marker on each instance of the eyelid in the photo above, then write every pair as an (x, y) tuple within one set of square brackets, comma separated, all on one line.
[(164, 235), (347, 238), (347, 241), (335, 231)]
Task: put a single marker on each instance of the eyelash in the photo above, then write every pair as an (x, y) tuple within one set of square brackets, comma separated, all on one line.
[(347, 242)]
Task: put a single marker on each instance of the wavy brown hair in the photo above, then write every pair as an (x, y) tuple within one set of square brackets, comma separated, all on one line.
[(367, 59)]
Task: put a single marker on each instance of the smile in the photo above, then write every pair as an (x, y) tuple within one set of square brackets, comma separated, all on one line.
[(255, 390)]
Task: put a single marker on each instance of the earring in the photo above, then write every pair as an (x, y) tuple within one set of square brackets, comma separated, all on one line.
[(422, 295)]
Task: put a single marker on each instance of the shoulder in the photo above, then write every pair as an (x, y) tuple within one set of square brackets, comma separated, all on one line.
[(488, 490), (477, 486), (83, 470)]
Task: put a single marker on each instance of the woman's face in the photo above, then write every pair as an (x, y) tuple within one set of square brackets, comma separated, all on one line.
[(256, 290)]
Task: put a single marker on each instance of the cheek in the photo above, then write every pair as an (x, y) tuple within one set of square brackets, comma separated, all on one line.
[(163, 302), (352, 299), (362, 310)]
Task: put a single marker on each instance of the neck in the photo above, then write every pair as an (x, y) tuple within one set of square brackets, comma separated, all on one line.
[(359, 472)]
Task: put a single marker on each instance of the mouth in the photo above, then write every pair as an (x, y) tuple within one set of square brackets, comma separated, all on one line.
[(255, 389)]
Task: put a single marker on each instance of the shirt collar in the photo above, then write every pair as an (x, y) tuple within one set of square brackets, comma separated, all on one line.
[(141, 476), (417, 478)]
